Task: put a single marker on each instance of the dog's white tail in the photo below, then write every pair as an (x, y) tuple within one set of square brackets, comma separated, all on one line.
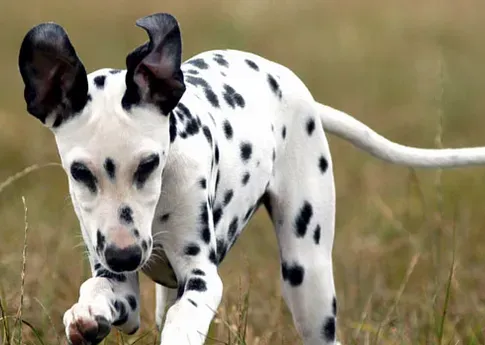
[(348, 128)]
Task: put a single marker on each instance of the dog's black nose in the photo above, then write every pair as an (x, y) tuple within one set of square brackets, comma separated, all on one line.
[(121, 260)]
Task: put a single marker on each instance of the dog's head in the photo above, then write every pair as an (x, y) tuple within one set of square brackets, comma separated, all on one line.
[(112, 130)]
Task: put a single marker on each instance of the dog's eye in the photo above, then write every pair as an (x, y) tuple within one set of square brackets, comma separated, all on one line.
[(145, 168), (82, 174)]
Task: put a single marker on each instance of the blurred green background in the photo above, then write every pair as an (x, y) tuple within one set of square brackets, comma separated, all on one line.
[(412, 70)]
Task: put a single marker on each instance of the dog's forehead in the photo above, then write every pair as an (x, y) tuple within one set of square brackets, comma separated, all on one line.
[(106, 128), (106, 85)]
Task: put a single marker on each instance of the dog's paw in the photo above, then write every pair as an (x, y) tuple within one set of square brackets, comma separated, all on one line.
[(86, 324)]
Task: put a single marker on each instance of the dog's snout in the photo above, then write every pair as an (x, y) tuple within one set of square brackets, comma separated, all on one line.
[(121, 237), (122, 260)]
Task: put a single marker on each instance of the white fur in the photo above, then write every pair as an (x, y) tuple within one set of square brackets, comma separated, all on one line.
[(295, 177)]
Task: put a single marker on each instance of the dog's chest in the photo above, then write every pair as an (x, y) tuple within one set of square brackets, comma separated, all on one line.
[(159, 269)]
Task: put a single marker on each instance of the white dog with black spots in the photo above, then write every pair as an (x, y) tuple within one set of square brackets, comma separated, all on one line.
[(167, 162)]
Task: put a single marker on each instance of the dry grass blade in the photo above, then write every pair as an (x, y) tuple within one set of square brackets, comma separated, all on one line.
[(409, 271), (144, 335), (23, 173), (448, 292), (6, 329), (49, 319), (22, 273), (34, 330)]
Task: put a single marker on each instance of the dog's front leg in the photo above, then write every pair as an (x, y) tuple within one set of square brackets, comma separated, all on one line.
[(105, 300), (191, 248)]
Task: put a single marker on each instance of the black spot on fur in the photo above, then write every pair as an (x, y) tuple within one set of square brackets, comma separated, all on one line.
[(207, 134), (310, 126), (196, 81), (204, 214), (293, 274), (217, 215), (213, 256), (136, 233), (283, 132), (275, 87), (185, 111), (110, 168), (328, 329), (334, 306), (191, 127), (196, 284), (99, 81), (100, 241), (145, 169), (203, 183), (204, 220), (252, 64), (122, 313), (192, 249), (115, 71), (228, 132), (200, 63), (198, 272), (211, 97), (97, 266), (316, 234), (274, 155), (221, 249), (246, 151), (173, 127), (219, 58), (81, 173), (323, 164), (245, 178), (144, 245), (206, 235), (248, 214), (104, 273), (164, 217), (233, 228), (216, 154), (233, 98), (180, 289), (303, 218), (132, 302), (193, 71), (218, 178), (192, 302), (228, 197), (126, 215)]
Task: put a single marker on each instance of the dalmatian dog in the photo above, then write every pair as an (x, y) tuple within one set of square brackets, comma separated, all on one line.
[(167, 162)]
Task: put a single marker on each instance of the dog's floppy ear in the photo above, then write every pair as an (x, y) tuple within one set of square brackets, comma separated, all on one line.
[(153, 69), (54, 77)]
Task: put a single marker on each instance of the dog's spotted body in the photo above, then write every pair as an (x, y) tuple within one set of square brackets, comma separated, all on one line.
[(167, 162)]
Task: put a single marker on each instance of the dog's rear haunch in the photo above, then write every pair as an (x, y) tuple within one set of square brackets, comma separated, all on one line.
[(167, 162)]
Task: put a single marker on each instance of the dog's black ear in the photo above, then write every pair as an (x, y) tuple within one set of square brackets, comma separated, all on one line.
[(153, 69), (54, 77)]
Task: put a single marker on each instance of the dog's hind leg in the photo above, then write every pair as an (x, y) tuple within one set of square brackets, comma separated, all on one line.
[(301, 201)]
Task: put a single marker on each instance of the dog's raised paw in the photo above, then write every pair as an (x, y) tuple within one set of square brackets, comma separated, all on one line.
[(83, 327)]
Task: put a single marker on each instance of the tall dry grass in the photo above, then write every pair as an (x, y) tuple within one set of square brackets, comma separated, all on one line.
[(408, 254)]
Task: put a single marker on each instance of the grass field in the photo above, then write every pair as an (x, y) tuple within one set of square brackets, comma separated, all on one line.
[(409, 250)]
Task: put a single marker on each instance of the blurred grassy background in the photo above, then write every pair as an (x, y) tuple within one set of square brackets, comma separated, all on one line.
[(402, 67)]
